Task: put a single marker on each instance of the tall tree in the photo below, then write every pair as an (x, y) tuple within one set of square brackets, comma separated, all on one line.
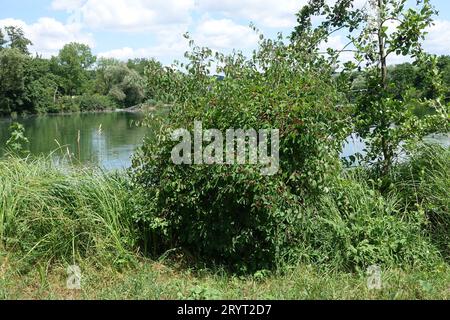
[(73, 65), (401, 78), (12, 70), (40, 86), (17, 39), (121, 83), (384, 121), (140, 64), (2, 39)]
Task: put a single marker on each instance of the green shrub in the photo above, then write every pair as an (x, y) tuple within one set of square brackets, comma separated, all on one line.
[(18, 143), (230, 213), (96, 102), (66, 104), (86, 102)]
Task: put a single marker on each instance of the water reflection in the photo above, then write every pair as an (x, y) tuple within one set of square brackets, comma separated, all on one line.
[(104, 139), (109, 140), (355, 144)]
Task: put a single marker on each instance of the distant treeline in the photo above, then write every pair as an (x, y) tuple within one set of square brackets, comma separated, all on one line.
[(407, 79), (74, 80)]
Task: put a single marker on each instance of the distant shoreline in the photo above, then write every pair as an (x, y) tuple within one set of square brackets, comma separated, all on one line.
[(136, 109)]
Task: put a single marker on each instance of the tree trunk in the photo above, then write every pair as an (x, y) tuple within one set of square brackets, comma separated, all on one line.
[(387, 154), (381, 45)]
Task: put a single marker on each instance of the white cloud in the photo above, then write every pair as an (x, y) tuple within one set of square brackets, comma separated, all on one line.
[(134, 15), (264, 13), (121, 54), (438, 38), (222, 34), (68, 5), (129, 15), (165, 52), (218, 34), (221, 25), (49, 35), (337, 43)]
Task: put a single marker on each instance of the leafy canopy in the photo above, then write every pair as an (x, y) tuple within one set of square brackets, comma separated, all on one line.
[(384, 120), (73, 64)]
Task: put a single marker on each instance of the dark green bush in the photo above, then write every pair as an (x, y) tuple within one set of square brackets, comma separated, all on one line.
[(310, 211), (96, 102), (86, 102), (66, 104), (232, 214)]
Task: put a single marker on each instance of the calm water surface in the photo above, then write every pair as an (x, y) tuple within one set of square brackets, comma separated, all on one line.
[(104, 139), (107, 140)]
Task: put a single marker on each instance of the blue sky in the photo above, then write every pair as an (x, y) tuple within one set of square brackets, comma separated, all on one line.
[(153, 28)]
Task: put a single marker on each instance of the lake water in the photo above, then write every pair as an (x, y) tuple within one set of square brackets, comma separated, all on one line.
[(104, 139), (107, 140)]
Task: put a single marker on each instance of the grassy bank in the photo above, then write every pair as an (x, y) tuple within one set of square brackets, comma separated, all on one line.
[(153, 280), (51, 218)]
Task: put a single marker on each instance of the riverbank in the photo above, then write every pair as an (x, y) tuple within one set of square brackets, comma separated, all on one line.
[(136, 109), (51, 218)]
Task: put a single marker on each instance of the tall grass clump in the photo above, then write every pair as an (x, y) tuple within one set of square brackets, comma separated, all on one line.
[(423, 186), (49, 213), (355, 226)]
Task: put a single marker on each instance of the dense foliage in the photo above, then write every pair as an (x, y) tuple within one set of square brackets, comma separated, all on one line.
[(49, 214), (123, 85), (424, 183), (232, 213), (310, 211), (384, 118), (72, 81), (386, 212)]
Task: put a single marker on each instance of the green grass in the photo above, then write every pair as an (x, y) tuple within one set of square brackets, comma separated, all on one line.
[(52, 217), (155, 281), (423, 185), (50, 214)]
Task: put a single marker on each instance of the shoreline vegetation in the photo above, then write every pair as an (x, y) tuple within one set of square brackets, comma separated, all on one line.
[(72, 81), (142, 108), (311, 231), (51, 218)]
